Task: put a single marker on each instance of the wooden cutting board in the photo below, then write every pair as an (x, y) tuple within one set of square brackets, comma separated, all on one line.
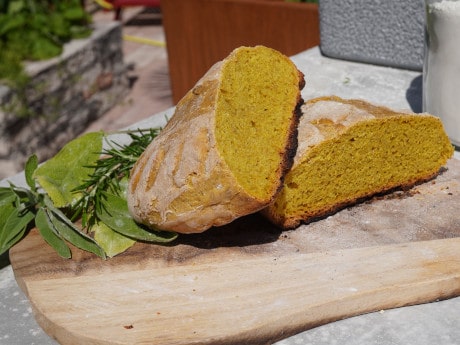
[(250, 283)]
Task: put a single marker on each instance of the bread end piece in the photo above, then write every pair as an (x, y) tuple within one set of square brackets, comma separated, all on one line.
[(349, 150)]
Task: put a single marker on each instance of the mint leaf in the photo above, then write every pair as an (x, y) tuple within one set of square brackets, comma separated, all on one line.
[(60, 175)]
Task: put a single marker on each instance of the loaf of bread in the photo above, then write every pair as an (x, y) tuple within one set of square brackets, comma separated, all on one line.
[(224, 152), (350, 149)]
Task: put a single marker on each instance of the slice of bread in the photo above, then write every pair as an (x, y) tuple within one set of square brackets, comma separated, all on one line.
[(224, 152), (350, 149)]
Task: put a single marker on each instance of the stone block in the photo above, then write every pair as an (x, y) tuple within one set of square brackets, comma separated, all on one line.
[(382, 32)]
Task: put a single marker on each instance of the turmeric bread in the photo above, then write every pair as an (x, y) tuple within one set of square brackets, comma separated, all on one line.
[(224, 152), (350, 149)]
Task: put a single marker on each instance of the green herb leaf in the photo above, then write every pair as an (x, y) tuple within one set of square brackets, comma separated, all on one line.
[(118, 218), (65, 228), (60, 175), (112, 242), (13, 225), (75, 236), (5, 212), (14, 218), (7, 196), (31, 166), (47, 231)]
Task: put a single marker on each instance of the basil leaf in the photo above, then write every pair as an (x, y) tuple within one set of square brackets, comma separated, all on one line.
[(116, 215), (112, 242), (67, 170), (65, 228), (31, 166), (48, 232)]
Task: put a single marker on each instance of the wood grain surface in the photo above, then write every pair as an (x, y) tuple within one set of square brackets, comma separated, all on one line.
[(250, 283)]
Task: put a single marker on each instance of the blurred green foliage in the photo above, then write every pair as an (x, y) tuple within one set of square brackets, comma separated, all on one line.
[(37, 30)]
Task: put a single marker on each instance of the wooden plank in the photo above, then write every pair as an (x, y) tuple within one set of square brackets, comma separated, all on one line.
[(252, 300)]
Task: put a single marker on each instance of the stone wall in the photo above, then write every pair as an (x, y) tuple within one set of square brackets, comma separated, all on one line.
[(65, 95)]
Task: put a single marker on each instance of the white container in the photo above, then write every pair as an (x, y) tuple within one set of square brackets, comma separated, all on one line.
[(441, 69)]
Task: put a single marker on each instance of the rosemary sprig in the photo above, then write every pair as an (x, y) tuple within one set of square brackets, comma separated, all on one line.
[(114, 166)]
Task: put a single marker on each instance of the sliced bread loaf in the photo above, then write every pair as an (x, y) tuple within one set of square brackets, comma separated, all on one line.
[(224, 152), (350, 149)]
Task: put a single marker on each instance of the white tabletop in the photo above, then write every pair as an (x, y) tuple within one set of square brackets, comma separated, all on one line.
[(426, 324)]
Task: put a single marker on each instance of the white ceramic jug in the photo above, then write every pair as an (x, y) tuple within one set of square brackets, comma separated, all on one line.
[(441, 70)]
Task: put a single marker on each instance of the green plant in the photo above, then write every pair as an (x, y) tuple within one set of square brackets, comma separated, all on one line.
[(36, 30)]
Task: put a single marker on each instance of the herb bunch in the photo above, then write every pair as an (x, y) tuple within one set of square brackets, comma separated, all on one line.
[(22, 208), (85, 182), (108, 172)]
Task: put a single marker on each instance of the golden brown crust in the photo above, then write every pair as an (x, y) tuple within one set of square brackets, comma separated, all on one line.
[(181, 183)]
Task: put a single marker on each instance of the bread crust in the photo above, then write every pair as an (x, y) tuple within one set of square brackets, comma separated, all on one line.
[(181, 183), (312, 133)]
